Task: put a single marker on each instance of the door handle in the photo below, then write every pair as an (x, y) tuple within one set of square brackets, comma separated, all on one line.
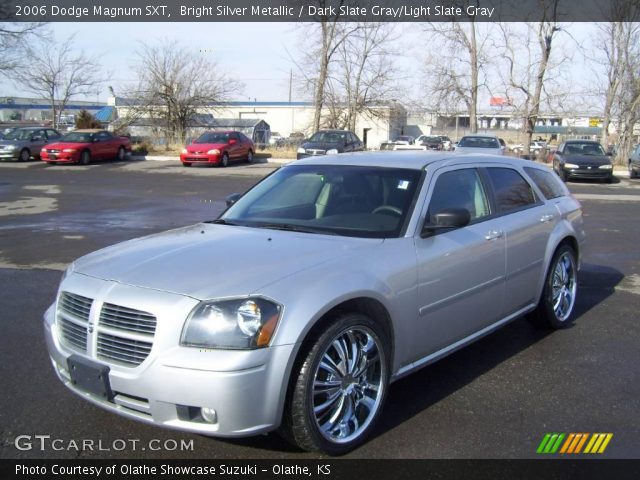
[(546, 218), (493, 235)]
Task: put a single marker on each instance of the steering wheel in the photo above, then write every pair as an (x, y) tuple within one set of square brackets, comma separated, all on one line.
[(388, 209)]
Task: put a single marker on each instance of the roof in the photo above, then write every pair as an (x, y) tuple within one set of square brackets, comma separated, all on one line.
[(236, 122), (105, 114), (412, 159)]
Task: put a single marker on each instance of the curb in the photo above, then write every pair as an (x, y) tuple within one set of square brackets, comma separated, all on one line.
[(162, 158)]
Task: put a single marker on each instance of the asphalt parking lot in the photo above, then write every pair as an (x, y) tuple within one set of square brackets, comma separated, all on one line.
[(494, 399)]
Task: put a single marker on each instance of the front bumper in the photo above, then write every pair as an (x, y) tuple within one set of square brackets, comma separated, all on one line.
[(61, 157), (245, 388), (588, 173), (9, 156), (200, 158)]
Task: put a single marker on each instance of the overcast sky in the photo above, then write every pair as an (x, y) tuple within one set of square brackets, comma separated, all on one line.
[(257, 54)]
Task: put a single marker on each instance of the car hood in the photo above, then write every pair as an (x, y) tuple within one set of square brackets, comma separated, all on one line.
[(593, 160), (322, 145), (206, 261), (62, 145), (204, 147)]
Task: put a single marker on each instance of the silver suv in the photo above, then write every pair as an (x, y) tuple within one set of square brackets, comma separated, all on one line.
[(324, 283)]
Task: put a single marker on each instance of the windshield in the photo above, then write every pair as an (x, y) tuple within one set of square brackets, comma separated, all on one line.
[(479, 142), (20, 135), (584, 149), (432, 139), (213, 137), (371, 202), (77, 137), (329, 137)]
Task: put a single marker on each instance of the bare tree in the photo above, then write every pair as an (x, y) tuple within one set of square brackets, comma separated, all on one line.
[(455, 72), (365, 71), (628, 100), (57, 73), (175, 84), (528, 70), (14, 38)]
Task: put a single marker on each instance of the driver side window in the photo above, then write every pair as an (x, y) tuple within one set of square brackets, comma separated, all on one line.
[(459, 189)]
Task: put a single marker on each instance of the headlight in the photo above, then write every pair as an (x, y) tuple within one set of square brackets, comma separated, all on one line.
[(213, 151), (571, 165), (69, 150), (245, 324), (301, 150), (184, 150), (333, 151), (606, 167), (12, 147)]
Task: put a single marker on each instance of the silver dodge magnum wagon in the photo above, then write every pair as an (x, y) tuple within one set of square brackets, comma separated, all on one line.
[(325, 282)]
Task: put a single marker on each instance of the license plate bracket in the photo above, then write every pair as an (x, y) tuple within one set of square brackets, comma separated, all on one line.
[(90, 377)]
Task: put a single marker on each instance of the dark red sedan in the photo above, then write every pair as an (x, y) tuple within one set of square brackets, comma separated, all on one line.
[(84, 146), (218, 148)]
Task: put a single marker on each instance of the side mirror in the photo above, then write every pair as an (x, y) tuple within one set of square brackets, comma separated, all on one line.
[(448, 218), (231, 199), (232, 141)]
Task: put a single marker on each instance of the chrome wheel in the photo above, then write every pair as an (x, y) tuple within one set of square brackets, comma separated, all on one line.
[(564, 286), (348, 385)]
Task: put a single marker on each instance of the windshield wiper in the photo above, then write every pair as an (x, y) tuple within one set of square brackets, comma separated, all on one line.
[(295, 228), (221, 221)]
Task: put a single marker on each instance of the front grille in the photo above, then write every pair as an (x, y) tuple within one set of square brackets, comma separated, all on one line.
[(73, 320), (51, 150), (311, 151), (122, 350), (123, 318)]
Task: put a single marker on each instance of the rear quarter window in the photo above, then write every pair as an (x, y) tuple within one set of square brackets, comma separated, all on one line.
[(548, 183)]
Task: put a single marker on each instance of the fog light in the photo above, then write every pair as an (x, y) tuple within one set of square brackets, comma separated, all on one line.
[(209, 415)]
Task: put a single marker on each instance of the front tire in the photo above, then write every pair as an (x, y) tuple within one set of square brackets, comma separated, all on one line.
[(557, 302), (25, 155), (632, 172), (85, 158), (225, 160), (339, 387)]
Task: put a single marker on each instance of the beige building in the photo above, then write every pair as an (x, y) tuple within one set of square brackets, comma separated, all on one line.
[(378, 124)]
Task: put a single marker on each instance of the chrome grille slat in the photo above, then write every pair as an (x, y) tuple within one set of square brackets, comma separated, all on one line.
[(127, 319), (73, 319), (75, 305), (72, 335), (123, 350)]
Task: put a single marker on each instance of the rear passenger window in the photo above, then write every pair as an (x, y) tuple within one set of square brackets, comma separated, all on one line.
[(511, 190), (548, 183)]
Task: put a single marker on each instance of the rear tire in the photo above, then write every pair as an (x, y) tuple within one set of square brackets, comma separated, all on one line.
[(632, 172), (557, 302), (250, 157), (338, 387), (121, 154)]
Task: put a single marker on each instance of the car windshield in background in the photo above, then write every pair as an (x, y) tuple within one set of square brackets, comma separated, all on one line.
[(328, 137), (371, 202), (213, 137), (584, 149), (19, 135), (77, 137), (479, 142), (432, 139)]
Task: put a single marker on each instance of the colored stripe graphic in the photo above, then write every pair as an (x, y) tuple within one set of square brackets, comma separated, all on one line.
[(573, 443)]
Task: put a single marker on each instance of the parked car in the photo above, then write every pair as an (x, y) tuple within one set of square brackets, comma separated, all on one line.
[(325, 282), (218, 148), (432, 142), (446, 142), (405, 140), (634, 162), (275, 139), (86, 146), (489, 144), (327, 142), (536, 147), (24, 143), (582, 159)]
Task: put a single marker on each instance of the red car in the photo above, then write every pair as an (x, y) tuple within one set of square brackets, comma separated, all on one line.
[(84, 146), (218, 148)]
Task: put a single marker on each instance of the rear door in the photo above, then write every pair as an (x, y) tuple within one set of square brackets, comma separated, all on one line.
[(527, 221)]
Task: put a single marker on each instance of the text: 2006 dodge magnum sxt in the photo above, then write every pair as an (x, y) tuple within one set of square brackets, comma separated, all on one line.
[(328, 280)]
